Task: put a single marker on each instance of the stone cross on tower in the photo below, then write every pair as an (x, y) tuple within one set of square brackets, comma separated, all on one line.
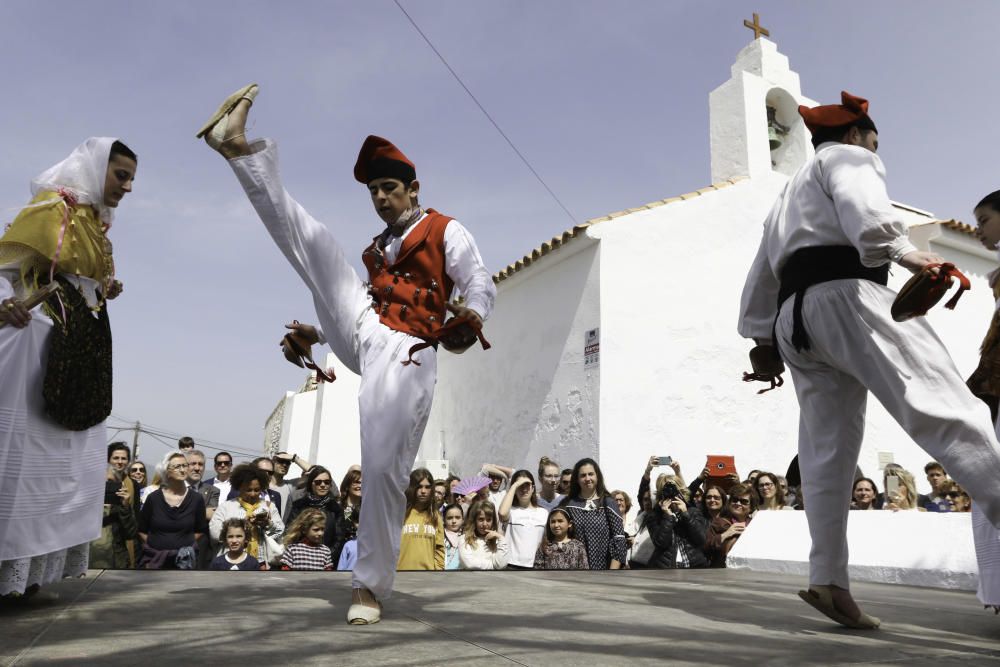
[(757, 28)]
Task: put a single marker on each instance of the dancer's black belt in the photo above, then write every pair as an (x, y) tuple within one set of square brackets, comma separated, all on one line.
[(815, 265)]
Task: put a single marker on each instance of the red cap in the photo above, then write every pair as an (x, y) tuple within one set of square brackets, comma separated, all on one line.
[(379, 158), (851, 110)]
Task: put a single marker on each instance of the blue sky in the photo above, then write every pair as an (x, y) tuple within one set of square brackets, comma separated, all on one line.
[(608, 101)]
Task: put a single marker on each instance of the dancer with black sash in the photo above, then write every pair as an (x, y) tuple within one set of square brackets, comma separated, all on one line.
[(817, 287)]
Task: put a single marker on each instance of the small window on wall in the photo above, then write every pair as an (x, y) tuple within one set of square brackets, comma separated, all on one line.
[(787, 136)]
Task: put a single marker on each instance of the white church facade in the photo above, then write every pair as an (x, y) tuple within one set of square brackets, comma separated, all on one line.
[(617, 340), (661, 284)]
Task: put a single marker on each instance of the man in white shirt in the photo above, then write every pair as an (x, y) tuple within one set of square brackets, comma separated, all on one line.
[(387, 329), (223, 464), (817, 285)]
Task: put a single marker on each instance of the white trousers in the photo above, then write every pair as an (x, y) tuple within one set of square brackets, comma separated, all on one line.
[(987, 540), (394, 400), (856, 347)]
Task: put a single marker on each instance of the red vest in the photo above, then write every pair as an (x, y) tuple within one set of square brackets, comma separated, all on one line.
[(410, 294)]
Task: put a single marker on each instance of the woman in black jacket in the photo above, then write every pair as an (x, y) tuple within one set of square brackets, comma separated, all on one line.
[(318, 487), (677, 531)]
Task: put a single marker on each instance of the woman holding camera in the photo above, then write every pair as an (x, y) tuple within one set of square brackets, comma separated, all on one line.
[(677, 530), (253, 504)]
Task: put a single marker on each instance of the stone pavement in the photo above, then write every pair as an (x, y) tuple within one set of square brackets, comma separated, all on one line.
[(707, 618)]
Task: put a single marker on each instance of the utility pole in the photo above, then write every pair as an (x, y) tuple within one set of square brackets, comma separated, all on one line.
[(135, 442)]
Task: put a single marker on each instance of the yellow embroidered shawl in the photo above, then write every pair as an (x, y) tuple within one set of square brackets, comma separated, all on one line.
[(32, 240)]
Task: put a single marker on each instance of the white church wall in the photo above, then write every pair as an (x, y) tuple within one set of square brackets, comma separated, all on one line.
[(530, 395), (335, 439), (330, 436), (671, 359)]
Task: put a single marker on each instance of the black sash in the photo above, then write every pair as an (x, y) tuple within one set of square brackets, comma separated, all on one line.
[(815, 265)]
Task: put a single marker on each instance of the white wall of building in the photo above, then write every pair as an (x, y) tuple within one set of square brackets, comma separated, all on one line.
[(530, 395)]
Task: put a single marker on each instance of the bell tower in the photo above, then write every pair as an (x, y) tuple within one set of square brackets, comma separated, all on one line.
[(754, 121)]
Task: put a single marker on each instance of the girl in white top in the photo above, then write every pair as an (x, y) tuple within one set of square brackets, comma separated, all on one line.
[(523, 519), (483, 548)]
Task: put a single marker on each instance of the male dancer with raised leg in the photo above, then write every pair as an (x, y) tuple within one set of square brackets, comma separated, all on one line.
[(386, 331)]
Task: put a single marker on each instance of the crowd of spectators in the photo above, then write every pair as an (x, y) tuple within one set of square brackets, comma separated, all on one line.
[(254, 516)]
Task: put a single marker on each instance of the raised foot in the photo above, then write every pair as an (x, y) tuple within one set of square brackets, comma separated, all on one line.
[(225, 130)]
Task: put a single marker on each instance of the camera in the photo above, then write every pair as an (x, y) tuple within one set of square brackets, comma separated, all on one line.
[(669, 491)]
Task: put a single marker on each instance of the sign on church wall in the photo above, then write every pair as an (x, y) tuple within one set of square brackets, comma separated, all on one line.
[(592, 348)]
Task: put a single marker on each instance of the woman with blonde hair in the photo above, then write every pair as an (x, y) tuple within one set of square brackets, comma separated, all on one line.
[(483, 546), (549, 474), (900, 490)]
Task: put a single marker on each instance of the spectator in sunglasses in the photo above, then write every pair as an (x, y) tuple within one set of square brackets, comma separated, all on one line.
[(223, 464), (137, 471), (726, 528), (318, 488), (956, 497)]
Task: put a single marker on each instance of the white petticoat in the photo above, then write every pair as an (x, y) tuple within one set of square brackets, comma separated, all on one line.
[(51, 479)]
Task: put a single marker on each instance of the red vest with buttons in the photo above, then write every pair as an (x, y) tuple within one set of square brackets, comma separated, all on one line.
[(410, 294)]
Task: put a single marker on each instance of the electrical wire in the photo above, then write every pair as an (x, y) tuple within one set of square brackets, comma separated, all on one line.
[(486, 113), (164, 437)]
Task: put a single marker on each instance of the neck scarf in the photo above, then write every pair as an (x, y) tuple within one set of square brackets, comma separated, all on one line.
[(253, 543)]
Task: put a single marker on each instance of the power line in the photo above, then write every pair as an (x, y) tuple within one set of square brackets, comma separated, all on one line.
[(159, 434), (485, 112)]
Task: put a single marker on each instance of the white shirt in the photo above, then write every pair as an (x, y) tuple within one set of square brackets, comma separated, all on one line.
[(838, 197), (525, 528), (224, 489), (479, 557)]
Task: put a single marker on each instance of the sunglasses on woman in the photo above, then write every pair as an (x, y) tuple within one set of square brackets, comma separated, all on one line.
[(740, 501)]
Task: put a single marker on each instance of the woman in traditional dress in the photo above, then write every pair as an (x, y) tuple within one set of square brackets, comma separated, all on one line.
[(985, 383), (52, 411)]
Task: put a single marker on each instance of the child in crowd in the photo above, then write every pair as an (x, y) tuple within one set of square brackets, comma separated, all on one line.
[(234, 535), (304, 548), (349, 553), (453, 519), (422, 544), (560, 550), (483, 547)]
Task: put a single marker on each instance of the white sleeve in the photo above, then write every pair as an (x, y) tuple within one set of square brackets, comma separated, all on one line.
[(219, 518), (501, 555), (855, 180), (464, 265), (277, 527), (759, 302)]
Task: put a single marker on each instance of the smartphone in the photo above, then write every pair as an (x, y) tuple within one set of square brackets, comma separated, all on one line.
[(664, 460), (891, 487)]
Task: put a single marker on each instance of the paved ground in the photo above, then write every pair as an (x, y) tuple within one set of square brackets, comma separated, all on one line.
[(707, 618)]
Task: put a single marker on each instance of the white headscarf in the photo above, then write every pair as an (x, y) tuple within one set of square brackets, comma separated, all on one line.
[(82, 174)]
